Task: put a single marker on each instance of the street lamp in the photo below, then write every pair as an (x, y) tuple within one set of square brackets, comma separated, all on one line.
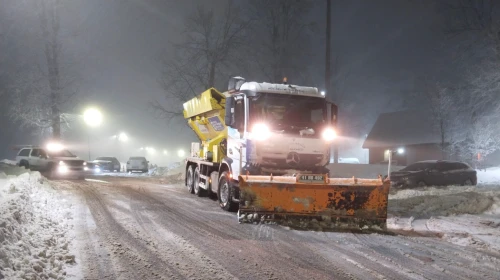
[(92, 118), (400, 151), (180, 153), (122, 137)]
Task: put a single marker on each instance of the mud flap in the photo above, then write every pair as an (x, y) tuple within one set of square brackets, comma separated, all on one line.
[(315, 202)]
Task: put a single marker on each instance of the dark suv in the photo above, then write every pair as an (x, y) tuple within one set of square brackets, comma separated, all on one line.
[(108, 163), (434, 173)]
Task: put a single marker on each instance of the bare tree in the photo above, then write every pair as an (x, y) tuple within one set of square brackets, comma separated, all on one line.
[(440, 106), (208, 53), (475, 27), (45, 87), (281, 42)]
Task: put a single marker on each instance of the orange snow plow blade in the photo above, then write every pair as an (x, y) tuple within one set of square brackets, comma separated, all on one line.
[(314, 202)]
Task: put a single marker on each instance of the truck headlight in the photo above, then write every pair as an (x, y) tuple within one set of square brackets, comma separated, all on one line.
[(260, 132), (329, 134)]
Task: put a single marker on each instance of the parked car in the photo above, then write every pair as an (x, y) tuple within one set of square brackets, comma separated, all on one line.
[(434, 173), (55, 162), (137, 164), (107, 163)]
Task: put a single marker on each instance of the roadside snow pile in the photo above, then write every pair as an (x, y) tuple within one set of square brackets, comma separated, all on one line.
[(8, 161), (489, 176), (368, 171), (33, 229), (12, 169), (438, 202), (466, 216), (158, 171)]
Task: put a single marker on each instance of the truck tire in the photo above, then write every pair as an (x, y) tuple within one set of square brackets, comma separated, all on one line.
[(225, 193), (198, 191), (190, 179)]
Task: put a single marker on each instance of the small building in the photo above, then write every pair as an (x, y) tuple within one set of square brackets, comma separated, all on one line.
[(410, 131)]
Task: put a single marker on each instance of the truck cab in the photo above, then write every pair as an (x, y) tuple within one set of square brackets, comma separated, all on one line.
[(278, 128)]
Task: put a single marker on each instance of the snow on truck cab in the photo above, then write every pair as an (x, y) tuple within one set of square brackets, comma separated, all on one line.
[(264, 150)]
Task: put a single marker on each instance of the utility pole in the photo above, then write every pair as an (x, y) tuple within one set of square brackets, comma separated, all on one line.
[(328, 62)]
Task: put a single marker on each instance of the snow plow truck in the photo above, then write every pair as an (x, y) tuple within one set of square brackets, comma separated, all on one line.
[(263, 151)]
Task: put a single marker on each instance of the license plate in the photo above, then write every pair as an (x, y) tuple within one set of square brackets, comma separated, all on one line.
[(311, 179)]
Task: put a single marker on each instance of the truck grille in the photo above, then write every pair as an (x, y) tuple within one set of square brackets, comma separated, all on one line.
[(296, 160)]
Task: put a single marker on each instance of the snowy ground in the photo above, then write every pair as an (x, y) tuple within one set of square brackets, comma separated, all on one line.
[(39, 220), (35, 228)]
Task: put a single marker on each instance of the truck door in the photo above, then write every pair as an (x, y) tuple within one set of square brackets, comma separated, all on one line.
[(236, 144)]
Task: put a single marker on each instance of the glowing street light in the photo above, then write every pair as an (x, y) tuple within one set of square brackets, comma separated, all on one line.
[(92, 117), (400, 151), (122, 137), (180, 153), (323, 92)]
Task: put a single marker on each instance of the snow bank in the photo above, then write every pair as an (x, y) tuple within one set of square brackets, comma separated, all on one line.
[(435, 202), (466, 216), (34, 224), (8, 161), (12, 169), (158, 171), (489, 176), (346, 170)]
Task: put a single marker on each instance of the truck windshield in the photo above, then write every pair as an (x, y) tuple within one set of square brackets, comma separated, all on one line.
[(281, 111)]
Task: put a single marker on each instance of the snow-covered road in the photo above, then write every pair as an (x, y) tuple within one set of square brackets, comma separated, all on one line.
[(147, 228)]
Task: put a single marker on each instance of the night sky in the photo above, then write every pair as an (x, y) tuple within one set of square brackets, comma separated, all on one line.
[(384, 46)]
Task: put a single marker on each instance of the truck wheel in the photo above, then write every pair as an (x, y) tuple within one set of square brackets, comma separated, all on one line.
[(196, 180), (225, 193), (189, 179)]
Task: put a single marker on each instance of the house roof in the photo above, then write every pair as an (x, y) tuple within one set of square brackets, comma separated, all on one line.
[(402, 128)]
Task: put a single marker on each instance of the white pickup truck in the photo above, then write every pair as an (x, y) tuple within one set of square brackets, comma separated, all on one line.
[(54, 162)]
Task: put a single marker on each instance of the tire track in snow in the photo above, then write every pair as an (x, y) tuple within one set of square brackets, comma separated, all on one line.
[(243, 244), (132, 259)]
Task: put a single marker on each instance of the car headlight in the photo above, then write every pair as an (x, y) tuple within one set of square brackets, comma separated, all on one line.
[(329, 134), (62, 168), (84, 163), (260, 132), (62, 163)]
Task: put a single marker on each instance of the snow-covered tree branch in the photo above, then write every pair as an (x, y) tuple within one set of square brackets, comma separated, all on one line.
[(204, 59), (44, 87), (281, 45)]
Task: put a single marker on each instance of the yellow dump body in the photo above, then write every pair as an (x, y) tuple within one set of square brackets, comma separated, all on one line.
[(205, 115), (334, 203)]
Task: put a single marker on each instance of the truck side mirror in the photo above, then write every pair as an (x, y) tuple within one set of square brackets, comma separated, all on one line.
[(229, 118), (333, 113)]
